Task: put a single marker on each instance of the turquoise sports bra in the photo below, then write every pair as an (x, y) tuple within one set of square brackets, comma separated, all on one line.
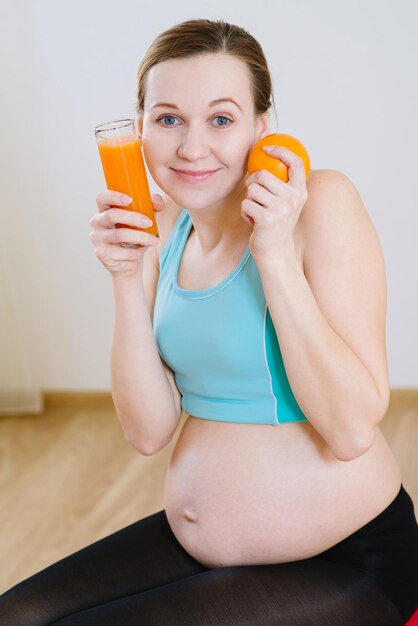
[(221, 343)]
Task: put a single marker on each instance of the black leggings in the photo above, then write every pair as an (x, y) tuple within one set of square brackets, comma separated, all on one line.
[(141, 575)]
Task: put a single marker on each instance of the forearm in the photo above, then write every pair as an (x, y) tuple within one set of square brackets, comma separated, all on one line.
[(141, 391), (334, 389)]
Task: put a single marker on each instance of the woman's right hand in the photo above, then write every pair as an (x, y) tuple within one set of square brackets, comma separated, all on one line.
[(121, 249)]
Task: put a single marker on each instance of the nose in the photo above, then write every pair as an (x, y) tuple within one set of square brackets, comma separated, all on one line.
[(194, 145)]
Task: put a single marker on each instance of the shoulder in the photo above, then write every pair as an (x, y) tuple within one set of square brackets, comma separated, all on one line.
[(334, 209), (334, 185)]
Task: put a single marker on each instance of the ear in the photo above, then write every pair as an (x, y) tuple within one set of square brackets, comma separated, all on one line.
[(263, 124), (139, 125)]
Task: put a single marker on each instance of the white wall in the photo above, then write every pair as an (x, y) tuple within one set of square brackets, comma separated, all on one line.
[(345, 84)]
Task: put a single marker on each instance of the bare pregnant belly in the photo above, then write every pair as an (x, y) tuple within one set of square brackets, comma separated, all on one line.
[(239, 494)]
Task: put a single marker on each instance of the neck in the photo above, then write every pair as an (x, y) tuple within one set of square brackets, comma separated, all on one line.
[(220, 225)]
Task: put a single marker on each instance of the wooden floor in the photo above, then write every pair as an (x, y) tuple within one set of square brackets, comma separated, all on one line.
[(68, 477)]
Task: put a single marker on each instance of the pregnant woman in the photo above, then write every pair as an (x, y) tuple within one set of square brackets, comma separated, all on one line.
[(260, 312)]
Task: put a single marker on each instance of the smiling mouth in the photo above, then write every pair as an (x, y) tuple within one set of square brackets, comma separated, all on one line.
[(194, 175)]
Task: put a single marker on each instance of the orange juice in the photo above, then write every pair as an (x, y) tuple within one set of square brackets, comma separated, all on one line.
[(124, 171)]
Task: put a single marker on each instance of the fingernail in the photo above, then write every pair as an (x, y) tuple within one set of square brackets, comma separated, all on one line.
[(126, 200), (268, 148)]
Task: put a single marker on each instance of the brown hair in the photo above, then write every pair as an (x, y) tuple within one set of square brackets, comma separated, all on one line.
[(201, 36)]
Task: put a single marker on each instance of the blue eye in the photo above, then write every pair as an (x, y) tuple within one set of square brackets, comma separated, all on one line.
[(165, 117), (173, 117), (222, 117)]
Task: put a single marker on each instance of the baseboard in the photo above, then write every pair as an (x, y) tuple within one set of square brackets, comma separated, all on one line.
[(78, 399), (34, 402), (21, 402), (404, 397), (103, 399)]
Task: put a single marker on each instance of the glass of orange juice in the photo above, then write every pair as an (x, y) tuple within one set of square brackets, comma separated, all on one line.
[(124, 168)]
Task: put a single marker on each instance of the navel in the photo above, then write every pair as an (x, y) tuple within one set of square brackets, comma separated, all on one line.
[(190, 515)]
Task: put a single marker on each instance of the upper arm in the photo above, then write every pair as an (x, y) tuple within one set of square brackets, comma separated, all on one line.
[(344, 266), (150, 279)]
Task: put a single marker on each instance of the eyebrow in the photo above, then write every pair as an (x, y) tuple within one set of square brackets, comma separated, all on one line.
[(170, 105)]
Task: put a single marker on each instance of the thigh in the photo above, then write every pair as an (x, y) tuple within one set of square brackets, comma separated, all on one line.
[(304, 593), (137, 558), (386, 548)]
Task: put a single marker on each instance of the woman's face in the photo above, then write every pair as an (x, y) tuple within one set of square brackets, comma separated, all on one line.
[(187, 127)]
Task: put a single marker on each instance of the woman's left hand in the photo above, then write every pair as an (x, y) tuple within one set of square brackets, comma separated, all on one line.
[(274, 207)]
